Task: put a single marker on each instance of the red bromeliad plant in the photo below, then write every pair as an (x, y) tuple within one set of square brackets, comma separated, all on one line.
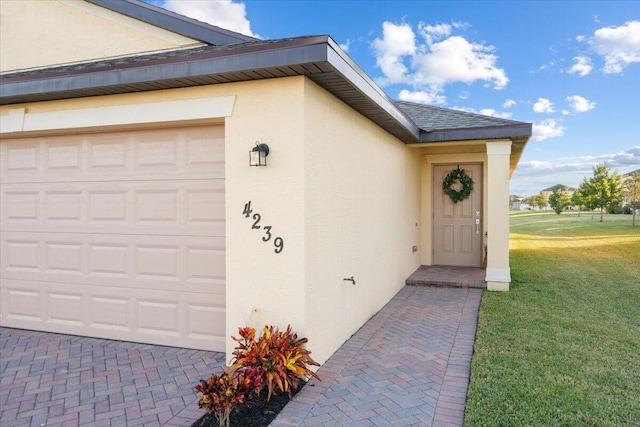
[(279, 358), (275, 359)]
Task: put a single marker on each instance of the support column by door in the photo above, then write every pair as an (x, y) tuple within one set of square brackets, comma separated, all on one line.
[(498, 272)]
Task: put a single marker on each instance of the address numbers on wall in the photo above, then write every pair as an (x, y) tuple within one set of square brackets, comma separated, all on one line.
[(256, 217)]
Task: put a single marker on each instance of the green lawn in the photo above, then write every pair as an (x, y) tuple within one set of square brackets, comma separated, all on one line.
[(562, 347)]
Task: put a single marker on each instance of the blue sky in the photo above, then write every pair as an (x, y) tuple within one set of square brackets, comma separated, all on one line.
[(572, 68)]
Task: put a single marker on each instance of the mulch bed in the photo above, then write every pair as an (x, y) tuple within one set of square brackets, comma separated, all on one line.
[(257, 412)]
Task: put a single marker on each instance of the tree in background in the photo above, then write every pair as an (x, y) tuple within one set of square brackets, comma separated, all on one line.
[(632, 193), (587, 192), (577, 200), (559, 200), (532, 201), (604, 190), (542, 200)]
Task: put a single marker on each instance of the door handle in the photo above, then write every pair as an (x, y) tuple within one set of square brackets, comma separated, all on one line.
[(478, 226)]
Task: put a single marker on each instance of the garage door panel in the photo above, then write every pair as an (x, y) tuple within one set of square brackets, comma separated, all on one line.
[(164, 317), (141, 262), (118, 235), (185, 207), (195, 153)]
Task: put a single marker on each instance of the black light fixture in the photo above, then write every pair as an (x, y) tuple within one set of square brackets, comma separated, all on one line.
[(258, 155)]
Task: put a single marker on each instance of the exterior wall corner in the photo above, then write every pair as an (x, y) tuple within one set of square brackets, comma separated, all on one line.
[(497, 212)]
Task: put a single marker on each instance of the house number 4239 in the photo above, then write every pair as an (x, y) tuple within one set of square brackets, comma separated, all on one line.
[(277, 242)]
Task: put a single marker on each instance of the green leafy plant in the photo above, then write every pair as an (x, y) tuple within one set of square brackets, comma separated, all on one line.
[(276, 361), (278, 357)]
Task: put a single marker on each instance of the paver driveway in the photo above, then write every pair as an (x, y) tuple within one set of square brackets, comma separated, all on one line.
[(408, 365), (62, 380)]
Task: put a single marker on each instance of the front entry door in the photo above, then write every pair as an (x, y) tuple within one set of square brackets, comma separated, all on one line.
[(457, 227)]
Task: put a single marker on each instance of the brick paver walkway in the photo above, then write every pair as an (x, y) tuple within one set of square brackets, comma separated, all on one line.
[(61, 380), (408, 365)]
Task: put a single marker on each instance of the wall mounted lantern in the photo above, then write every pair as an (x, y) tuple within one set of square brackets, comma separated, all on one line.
[(258, 155)]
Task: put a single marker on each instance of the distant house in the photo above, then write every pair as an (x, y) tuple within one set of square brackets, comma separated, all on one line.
[(625, 177), (130, 209), (549, 191), (629, 174), (515, 202)]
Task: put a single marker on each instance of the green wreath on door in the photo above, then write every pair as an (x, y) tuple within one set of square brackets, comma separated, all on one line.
[(457, 175)]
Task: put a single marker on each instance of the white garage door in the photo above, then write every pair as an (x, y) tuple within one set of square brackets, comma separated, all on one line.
[(116, 235)]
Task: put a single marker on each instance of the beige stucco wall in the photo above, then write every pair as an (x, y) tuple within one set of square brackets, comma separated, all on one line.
[(362, 217), (347, 199), (265, 287), (31, 35), (342, 194)]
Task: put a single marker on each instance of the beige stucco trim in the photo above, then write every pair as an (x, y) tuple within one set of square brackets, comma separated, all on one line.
[(502, 286), (498, 148), (498, 274), (20, 120)]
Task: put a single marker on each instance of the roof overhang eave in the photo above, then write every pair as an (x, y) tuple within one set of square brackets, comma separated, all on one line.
[(318, 58), (511, 131)]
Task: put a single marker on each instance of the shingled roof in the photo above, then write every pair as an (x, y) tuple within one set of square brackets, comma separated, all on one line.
[(233, 57), (558, 186), (443, 124)]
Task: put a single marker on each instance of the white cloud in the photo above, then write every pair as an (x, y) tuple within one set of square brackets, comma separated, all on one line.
[(543, 67), (422, 97), (532, 176), (543, 105), (437, 60), (460, 24), (397, 42), (456, 60), (629, 157), (494, 113), (485, 112), (582, 66), (345, 46), (509, 103), (545, 129), (620, 46), (580, 104), (222, 13), (434, 32)]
